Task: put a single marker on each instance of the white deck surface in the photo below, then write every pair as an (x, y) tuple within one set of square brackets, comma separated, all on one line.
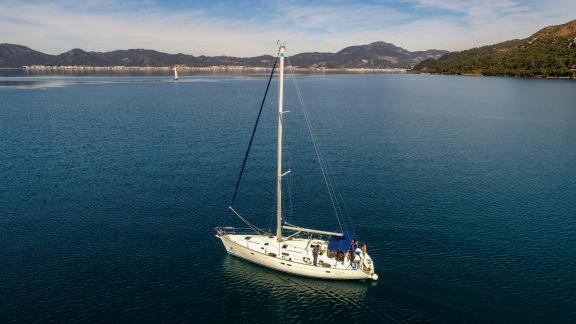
[(295, 256)]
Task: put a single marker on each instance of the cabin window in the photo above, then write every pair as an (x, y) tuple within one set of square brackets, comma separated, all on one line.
[(247, 237), (272, 254), (285, 246), (266, 243)]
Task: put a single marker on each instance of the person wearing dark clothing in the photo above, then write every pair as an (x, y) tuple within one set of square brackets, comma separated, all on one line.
[(351, 254), (315, 251), (340, 256)]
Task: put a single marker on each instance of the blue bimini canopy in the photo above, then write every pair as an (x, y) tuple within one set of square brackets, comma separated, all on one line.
[(340, 243)]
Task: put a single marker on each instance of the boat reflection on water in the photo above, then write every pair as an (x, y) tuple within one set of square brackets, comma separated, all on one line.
[(321, 299)]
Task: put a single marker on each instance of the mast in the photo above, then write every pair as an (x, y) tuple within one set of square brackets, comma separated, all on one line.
[(281, 52), (175, 74)]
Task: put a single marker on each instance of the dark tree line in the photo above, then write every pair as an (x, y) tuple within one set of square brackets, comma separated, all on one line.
[(536, 57)]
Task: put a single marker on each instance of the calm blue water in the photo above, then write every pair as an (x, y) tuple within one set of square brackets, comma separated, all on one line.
[(463, 187)]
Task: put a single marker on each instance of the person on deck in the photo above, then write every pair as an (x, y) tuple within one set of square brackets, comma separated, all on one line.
[(315, 251), (340, 256), (351, 255)]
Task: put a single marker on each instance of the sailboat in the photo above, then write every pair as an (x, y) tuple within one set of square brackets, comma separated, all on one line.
[(175, 74), (293, 249)]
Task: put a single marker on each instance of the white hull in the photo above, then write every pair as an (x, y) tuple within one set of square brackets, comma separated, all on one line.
[(296, 260)]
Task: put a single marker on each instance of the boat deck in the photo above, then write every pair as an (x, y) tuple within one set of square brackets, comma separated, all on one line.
[(298, 250)]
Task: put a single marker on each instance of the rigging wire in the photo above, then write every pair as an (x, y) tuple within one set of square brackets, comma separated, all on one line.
[(335, 199), (287, 205), (251, 138), (247, 153), (323, 167), (252, 226)]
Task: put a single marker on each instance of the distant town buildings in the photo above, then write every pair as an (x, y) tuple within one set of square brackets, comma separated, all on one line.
[(219, 68)]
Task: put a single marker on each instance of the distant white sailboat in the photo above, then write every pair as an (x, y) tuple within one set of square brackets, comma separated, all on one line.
[(175, 74), (304, 252)]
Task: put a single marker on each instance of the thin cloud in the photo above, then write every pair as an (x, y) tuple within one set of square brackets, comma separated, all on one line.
[(217, 29)]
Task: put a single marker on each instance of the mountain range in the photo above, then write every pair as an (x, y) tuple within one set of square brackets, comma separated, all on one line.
[(550, 52), (374, 55)]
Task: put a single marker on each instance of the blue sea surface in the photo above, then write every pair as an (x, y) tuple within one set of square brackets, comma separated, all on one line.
[(464, 189)]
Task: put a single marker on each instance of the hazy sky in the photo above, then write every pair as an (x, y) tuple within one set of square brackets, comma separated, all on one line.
[(246, 28)]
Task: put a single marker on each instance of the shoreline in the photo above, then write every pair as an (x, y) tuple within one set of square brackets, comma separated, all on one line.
[(220, 68), (498, 75), (241, 69)]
